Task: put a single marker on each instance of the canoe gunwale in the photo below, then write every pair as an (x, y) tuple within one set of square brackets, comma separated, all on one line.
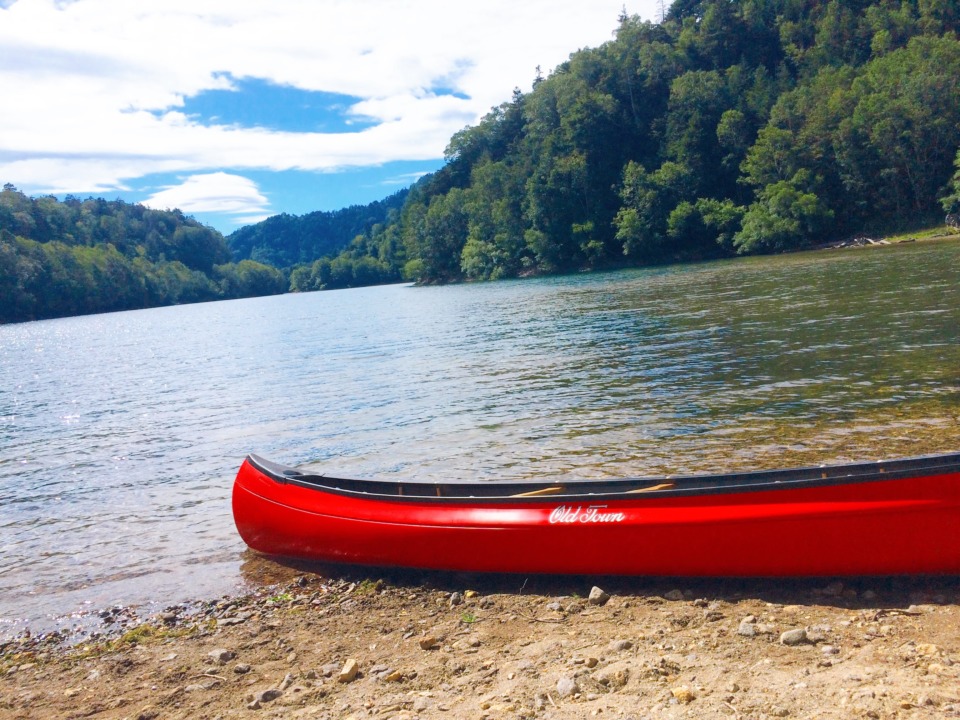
[(495, 493)]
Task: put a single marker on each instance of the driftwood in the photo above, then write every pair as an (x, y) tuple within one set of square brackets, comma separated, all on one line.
[(858, 241)]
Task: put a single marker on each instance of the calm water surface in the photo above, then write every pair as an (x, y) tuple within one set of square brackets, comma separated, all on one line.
[(120, 434)]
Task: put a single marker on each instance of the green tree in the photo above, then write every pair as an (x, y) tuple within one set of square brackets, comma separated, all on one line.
[(248, 278), (784, 217), (951, 201), (444, 235), (648, 201)]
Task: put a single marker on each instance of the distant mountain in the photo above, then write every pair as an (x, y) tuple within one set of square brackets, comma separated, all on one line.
[(287, 240)]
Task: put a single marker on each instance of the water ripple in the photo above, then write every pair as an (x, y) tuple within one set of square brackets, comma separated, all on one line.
[(120, 433)]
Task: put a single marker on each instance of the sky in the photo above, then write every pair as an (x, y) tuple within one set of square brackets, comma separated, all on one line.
[(236, 110)]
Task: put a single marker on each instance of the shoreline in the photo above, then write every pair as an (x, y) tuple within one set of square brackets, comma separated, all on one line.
[(356, 642)]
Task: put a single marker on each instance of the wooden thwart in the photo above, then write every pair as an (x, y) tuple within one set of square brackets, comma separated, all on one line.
[(661, 486), (537, 493)]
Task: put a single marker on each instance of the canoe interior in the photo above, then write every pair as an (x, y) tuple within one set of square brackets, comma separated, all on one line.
[(928, 465)]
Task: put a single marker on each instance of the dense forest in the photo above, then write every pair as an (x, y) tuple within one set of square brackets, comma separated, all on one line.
[(731, 127), (87, 256), (286, 240)]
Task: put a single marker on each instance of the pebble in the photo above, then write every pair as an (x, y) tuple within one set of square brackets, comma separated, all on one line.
[(221, 656), (428, 642), (526, 666), (747, 629), (234, 619), (683, 694), (597, 596), (794, 637), (349, 671), (456, 599), (620, 645), (469, 645), (567, 686), (613, 679), (265, 696)]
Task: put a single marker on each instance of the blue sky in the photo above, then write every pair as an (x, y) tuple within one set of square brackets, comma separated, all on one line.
[(235, 110)]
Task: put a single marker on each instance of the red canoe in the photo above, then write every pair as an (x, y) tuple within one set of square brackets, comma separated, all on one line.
[(882, 518)]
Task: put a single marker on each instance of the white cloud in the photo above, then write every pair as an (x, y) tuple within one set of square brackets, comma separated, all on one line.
[(93, 89), (404, 178), (217, 192)]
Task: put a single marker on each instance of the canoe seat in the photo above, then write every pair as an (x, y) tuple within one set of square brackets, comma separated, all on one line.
[(651, 488), (543, 491)]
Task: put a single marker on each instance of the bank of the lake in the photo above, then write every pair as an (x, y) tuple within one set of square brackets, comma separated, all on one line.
[(356, 644)]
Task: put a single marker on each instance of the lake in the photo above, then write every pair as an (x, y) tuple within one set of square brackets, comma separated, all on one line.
[(120, 434)]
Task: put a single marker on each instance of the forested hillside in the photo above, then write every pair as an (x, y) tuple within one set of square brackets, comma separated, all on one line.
[(731, 127), (287, 240), (86, 256)]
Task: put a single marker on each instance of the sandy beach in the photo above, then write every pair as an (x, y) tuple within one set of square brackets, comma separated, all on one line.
[(352, 643)]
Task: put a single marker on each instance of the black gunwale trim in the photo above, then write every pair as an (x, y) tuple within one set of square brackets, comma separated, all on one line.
[(496, 493)]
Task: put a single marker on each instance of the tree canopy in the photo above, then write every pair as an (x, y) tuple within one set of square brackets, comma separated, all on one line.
[(731, 127), (287, 240), (86, 256)]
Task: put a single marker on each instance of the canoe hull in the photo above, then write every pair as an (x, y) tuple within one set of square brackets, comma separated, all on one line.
[(905, 525)]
